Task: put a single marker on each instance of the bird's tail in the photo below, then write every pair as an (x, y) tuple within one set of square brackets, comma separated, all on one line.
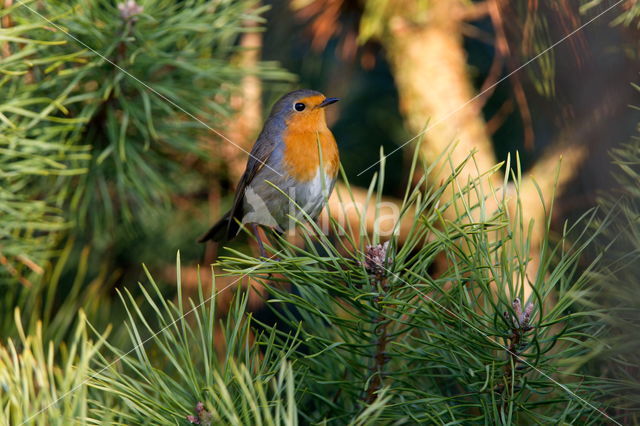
[(224, 230)]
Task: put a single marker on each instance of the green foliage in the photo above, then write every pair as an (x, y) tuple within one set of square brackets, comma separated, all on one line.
[(443, 326), (193, 359), (619, 283), (426, 329), (451, 347), (629, 16), (186, 364), (98, 108), (195, 368), (98, 111), (34, 375)]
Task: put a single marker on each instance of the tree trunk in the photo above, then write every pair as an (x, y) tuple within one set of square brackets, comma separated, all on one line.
[(429, 64), (423, 42)]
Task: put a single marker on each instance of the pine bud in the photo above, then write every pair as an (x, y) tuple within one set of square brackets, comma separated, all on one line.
[(375, 260), (129, 10), (522, 317), (202, 417)]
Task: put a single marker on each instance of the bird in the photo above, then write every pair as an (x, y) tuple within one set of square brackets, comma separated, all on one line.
[(291, 170)]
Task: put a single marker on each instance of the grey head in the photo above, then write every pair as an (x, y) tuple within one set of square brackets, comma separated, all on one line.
[(290, 103)]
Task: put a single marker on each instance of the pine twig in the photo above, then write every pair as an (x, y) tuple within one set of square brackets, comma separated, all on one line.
[(520, 326), (375, 263)]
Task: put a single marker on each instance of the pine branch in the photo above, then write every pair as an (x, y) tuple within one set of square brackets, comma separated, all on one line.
[(376, 264)]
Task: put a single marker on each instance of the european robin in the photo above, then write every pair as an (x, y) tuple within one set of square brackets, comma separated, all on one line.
[(283, 177)]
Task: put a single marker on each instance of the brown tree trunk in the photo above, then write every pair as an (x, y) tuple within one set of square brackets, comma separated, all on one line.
[(423, 42), (429, 64)]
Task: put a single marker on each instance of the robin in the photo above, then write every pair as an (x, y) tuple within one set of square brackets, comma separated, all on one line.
[(284, 177)]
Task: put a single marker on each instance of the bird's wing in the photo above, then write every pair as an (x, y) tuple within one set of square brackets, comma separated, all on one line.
[(226, 228), (258, 158)]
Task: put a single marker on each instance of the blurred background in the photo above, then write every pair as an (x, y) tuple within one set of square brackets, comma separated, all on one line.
[(478, 73)]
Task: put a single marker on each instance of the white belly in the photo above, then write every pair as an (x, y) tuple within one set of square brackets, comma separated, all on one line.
[(265, 205), (313, 195)]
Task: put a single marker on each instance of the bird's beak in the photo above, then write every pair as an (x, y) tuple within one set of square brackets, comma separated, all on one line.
[(328, 101)]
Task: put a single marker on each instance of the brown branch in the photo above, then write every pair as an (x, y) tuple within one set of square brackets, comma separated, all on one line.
[(30, 264), (6, 23), (490, 83), (376, 263), (525, 113), (569, 20), (472, 31), (502, 48), (472, 12), (500, 117), (520, 326), (380, 358), (14, 272)]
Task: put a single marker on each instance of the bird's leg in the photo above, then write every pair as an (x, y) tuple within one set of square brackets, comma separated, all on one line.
[(256, 232)]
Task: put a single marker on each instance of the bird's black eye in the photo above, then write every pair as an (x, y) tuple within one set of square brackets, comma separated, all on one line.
[(299, 106)]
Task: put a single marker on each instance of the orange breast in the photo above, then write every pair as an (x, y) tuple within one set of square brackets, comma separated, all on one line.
[(302, 139)]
